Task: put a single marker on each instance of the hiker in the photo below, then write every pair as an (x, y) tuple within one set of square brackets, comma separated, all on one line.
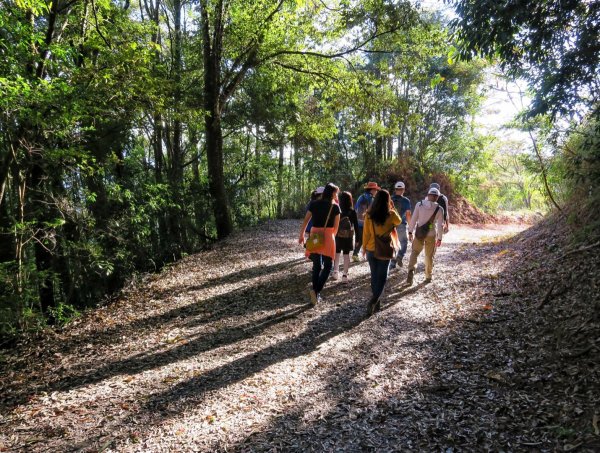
[(316, 195), (362, 205), (344, 240), (381, 220), (403, 208), (325, 214), (429, 218), (443, 202)]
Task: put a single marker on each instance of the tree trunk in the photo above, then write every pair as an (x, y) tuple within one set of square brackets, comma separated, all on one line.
[(176, 158), (279, 208), (211, 52)]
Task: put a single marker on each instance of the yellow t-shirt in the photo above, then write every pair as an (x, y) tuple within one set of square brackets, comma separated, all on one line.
[(368, 241)]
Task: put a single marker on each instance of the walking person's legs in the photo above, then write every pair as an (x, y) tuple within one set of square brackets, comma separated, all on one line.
[(358, 243), (346, 266), (403, 237), (316, 272), (417, 247), (373, 268), (324, 274), (429, 252), (382, 267), (379, 274), (336, 265)]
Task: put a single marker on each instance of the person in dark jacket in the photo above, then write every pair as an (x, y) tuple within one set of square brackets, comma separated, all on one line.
[(443, 202), (403, 208), (362, 205), (347, 231)]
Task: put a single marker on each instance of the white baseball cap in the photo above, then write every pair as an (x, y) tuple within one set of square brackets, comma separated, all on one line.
[(320, 189), (399, 185), (433, 191)]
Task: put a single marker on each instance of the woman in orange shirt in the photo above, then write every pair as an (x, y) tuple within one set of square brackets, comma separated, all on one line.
[(325, 214)]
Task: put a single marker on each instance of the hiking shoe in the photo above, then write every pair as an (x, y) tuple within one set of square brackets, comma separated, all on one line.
[(313, 297), (319, 298), (335, 275), (356, 258), (344, 279), (427, 280), (371, 306), (410, 277)]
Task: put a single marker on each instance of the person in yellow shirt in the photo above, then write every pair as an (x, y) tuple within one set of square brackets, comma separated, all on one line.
[(381, 220)]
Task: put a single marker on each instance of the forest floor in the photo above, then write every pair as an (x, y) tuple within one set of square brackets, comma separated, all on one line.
[(222, 352)]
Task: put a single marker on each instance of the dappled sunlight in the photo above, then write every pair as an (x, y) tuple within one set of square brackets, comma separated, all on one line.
[(256, 366)]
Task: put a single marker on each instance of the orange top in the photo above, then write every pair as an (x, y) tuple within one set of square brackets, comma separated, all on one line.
[(328, 248)]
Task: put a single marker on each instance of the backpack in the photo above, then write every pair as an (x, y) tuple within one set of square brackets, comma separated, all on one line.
[(345, 229), (442, 202), (362, 205)]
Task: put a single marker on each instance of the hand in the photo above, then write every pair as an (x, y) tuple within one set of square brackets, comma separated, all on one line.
[(410, 237), (438, 243), (445, 229), (301, 239)]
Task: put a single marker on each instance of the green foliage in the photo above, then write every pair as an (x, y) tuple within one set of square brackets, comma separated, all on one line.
[(103, 129), (578, 170), (553, 44)]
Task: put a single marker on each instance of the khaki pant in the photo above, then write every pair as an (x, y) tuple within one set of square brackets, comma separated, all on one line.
[(417, 247)]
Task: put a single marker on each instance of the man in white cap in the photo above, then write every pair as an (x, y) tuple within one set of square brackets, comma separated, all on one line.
[(428, 217), (443, 202), (403, 207)]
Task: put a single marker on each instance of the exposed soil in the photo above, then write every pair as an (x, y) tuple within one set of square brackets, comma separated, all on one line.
[(222, 352)]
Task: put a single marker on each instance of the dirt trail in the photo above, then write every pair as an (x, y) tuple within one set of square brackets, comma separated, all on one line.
[(221, 352)]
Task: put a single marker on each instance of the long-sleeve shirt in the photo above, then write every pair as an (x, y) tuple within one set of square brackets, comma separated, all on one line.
[(423, 212), (371, 227)]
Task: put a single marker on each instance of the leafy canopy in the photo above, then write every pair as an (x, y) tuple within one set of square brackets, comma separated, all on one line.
[(553, 44)]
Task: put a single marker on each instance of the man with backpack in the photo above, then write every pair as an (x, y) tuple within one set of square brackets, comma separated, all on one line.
[(403, 208), (362, 205), (426, 224), (443, 202)]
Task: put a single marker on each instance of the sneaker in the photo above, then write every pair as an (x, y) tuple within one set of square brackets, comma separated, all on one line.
[(335, 275), (319, 298), (313, 297), (344, 279), (356, 258), (410, 277)]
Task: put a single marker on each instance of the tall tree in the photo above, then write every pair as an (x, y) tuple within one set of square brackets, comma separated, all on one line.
[(553, 44)]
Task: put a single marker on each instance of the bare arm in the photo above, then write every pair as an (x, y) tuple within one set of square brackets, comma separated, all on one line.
[(304, 223)]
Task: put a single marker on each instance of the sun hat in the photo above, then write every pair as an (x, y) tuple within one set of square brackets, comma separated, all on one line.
[(372, 185), (320, 189), (434, 185), (433, 191), (399, 185)]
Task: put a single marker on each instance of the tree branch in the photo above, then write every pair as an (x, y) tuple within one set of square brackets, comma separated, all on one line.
[(333, 55)]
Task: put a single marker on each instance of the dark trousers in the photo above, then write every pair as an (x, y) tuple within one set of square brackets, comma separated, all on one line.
[(379, 274), (320, 272), (358, 240)]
